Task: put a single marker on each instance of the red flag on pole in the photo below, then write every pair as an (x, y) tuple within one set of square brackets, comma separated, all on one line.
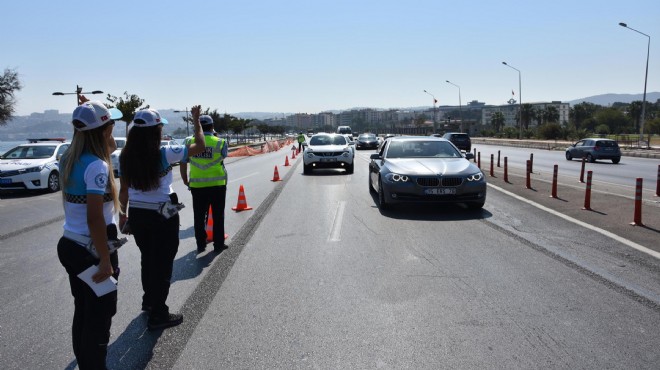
[(435, 100)]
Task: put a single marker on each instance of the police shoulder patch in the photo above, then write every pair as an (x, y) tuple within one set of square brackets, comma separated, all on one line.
[(101, 180)]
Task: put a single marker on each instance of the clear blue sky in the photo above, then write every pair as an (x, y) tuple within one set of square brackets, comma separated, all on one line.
[(310, 56)]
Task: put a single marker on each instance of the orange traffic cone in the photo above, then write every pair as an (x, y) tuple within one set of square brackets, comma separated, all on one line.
[(209, 227), (286, 162), (276, 175), (242, 202), (293, 156)]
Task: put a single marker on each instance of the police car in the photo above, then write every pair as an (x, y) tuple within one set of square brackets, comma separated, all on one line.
[(33, 166)]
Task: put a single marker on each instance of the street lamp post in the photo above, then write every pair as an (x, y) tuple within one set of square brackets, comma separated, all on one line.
[(460, 109), (646, 75), (78, 93), (187, 122), (519, 98), (434, 102)]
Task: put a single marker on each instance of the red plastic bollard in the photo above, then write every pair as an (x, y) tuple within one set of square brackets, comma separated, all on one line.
[(582, 170), (498, 159), (638, 204), (529, 174), (479, 160), (506, 170), (657, 185), (531, 162), (492, 163), (475, 155), (554, 182), (587, 193)]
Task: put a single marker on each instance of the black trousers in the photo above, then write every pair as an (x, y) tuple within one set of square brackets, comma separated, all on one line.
[(158, 240), (92, 315), (213, 196)]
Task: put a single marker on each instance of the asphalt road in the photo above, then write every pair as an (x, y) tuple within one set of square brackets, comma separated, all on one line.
[(318, 277)]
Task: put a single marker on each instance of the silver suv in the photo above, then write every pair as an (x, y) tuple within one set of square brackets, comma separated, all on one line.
[(328, 151)]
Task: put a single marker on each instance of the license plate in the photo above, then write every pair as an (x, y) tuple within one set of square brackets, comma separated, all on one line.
[(440, 191), (5, 181), (328, 159)]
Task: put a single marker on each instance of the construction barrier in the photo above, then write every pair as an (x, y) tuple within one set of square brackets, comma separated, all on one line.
[(268, 146), (637, 221), (587, 193)]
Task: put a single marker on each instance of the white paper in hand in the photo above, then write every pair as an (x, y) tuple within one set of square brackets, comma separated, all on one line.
[(106, 286)]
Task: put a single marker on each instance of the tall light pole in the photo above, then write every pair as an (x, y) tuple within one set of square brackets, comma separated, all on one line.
[(78, 93), (460, 109), (519, 98), (646, 75), (434, 102), (187, 122)]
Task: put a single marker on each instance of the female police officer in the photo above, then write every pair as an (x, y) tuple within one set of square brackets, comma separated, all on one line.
[(146, 188), (90, 201)]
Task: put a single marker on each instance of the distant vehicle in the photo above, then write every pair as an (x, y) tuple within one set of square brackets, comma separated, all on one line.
[(382, 142), (425, 170), (114, 156), (366, 141), (345, 130), (328, 151), (461, 140), (310, 132), (594, 149), (33, 166)]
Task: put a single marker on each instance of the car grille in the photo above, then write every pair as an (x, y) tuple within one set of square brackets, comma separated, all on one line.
[(443, 181), (328, 154), (9, 173)]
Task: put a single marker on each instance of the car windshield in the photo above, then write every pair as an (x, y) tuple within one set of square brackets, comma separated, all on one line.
[(421, 149), (367, 137), (30, 152), (120, 143), (327, 140)]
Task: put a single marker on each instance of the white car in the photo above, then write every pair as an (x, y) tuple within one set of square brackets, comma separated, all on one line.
[(328, 151), (33, 166), (114, 157)]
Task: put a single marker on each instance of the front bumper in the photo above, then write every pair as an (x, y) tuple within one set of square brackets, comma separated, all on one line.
[(24, 181), (411, 192)]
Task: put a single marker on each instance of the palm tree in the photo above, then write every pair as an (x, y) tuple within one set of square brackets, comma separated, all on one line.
[(497, 120), (551, 114), (528, 114)]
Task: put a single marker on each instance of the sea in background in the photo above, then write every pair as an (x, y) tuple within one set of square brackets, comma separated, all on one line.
[(6, 145)]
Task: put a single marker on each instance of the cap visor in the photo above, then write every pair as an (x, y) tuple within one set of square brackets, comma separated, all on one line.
[(163, 120), (115, 113)]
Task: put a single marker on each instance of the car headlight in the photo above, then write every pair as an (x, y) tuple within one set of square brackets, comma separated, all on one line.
[(346, 153), (34, 169), (395, 177), (476, 177)]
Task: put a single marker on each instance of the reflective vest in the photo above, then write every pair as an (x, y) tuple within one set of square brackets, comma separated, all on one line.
[(301, 138), (206, 168)]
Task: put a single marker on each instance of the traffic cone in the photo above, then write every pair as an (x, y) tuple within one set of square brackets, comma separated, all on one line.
[(293, 156), (209, 227), (286, 162), (242, 202), (276, 175)]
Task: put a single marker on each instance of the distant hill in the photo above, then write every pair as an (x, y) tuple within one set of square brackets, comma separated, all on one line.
[(609, 99)]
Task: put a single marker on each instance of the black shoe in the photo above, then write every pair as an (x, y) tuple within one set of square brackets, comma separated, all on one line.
[(201, 249), (146, 308), (163, 322), (220, 249)]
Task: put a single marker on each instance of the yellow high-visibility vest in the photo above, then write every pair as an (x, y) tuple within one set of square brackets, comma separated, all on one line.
[(206, 168)]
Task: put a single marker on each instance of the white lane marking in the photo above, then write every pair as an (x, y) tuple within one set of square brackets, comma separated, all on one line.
[(244, 177), (335, 233), (620, 239)]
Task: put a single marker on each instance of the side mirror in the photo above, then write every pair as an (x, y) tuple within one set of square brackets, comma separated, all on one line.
[(374, 156), (469, 155)]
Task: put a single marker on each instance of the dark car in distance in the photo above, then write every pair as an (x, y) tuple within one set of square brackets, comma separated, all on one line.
[(460, 140), (594, 149), (366, 141)]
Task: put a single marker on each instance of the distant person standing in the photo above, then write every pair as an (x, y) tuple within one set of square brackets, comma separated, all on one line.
[(90, 202), (208, 186), (153, 219), (301, 139)]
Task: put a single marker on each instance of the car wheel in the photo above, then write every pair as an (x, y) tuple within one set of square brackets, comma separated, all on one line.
[(616, 160), (53, 182), (371, 185), (476, 205), (350, 168), (307, 169), (590, 158), (568, 156), (382, 203)]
